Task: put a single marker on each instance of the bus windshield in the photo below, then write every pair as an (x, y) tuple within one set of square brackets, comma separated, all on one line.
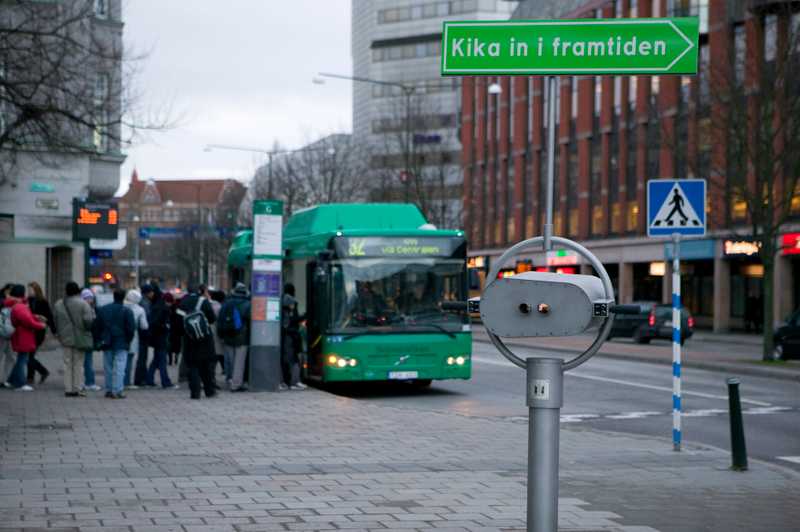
[(383, 294)]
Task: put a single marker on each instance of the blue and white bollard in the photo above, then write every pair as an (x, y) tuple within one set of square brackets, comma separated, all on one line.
[(676, 342)]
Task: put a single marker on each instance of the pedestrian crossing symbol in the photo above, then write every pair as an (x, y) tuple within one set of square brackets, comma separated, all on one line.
[(676, 206)]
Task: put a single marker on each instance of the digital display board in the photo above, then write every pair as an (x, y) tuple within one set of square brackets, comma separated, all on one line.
[(378, 246), (93, 219)]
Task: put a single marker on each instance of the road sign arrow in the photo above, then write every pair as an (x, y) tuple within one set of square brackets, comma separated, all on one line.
[(592, 46)]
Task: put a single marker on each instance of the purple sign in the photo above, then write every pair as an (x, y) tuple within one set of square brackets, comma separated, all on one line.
[(266, 284)]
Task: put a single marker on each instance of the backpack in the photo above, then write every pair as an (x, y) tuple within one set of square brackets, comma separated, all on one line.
[(195, 323), (6, 327), (230, 321)]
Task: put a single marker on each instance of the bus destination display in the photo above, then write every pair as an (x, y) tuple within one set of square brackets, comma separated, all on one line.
[(91, 219), (396, 246)]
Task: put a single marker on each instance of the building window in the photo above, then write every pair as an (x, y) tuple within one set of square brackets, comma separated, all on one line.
[(618, 9), (690, 8), (617, 94), (529, 110), (510, 111), (574, 98), (406, 51), (655, 88), (631, 177), (740, 51), (613, 160), (632, 86), (770, 37), (633, 8), (704, 92), (598, 95), (794, 31), (101, 8), (2, 98), (429, 10), (655, 8), (558, 102)]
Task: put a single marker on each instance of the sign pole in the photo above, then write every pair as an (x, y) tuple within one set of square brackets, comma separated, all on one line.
[(552, 87), (676, 341)]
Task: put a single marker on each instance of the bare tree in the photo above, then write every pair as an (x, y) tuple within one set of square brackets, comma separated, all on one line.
[(412, 162), (749, 122), (65, 84), (330, 170)]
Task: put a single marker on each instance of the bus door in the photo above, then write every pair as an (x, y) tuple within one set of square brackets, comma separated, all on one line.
[(316, 314)]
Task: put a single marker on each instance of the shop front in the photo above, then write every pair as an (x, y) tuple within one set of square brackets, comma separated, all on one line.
[(697, 278), (746, 284), (789, 268)]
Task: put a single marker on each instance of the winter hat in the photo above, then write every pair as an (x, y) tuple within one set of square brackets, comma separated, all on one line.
[(240, 289), (87, 294), (133, 297)]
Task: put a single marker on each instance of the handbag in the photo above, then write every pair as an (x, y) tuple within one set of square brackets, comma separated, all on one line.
[(79, 344)]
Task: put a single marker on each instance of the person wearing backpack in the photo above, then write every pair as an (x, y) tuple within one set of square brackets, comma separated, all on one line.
[(234, 330), (158, 333), (198, 341), (23, 340), (74, 318), (114, 328), (7, 359)]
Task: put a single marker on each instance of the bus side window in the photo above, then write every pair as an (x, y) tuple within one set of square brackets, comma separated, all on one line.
[(474, 279)]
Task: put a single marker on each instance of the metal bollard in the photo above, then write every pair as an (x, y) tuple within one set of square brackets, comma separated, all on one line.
[(738, 448)]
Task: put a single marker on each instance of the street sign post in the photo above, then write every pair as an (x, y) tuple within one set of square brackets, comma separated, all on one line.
[(265, 298), (587, 46), (676, 207)]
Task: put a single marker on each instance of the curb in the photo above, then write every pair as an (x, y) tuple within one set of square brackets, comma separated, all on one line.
[(733, 368)]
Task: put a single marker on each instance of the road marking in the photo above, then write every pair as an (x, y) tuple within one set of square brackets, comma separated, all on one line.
[(627, 383), (792, 459), (577, 418), (633, 415)]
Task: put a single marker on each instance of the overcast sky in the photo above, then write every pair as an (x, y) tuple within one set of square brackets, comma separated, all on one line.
[(236, 72)]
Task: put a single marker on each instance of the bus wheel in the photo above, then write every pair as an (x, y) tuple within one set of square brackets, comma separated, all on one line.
[(422, 383)]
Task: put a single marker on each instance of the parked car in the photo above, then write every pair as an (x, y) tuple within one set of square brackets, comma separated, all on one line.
[(787, 338), (653, 321), (628, 325)]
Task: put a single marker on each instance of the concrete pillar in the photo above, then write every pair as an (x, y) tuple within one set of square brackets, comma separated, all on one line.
[(783, 283), (722, 291), (625, 282)]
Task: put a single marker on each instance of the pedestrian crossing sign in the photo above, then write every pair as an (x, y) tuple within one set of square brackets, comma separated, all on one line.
[(676, 206)]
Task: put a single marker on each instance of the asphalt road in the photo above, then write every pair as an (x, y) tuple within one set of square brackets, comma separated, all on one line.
[(622, 396)]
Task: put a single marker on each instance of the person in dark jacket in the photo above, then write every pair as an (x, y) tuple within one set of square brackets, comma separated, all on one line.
[(159, 329), (198, 353), (140, 374), (114, 327), (174, 349), (291, 341), (40, 307), (235, 341)]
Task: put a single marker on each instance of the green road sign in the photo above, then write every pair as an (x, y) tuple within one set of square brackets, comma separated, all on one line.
[(590, 46)]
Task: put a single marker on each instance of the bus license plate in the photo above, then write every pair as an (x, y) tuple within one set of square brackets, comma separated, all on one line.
[(403, 375)]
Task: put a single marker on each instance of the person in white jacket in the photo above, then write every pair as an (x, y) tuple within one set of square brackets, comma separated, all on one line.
[(132, 299)]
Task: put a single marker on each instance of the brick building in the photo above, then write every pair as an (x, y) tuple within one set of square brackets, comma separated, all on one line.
[(610, 137), (182, 229)]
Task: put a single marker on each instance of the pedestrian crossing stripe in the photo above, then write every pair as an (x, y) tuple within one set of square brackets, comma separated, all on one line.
[(676, 206)]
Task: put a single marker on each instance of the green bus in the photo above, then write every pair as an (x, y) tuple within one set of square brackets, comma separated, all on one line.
[(371, 279)]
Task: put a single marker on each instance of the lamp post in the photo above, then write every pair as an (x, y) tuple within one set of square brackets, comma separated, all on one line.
[(408, 91)]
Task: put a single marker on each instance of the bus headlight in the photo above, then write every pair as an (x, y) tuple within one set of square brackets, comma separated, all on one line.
[(352, 362), (332, 359), (451, 361), (341, 362), (460, 361)]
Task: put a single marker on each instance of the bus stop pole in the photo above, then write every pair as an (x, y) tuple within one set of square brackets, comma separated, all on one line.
[(676, 341)]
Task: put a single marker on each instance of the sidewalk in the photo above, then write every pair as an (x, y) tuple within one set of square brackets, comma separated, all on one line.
[(694, 354), (157, 461)]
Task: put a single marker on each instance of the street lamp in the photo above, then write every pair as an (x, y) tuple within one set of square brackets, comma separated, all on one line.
[(408, 91)]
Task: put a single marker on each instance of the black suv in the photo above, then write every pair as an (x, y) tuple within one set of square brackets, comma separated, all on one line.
[(787, 338), (653, 321)]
